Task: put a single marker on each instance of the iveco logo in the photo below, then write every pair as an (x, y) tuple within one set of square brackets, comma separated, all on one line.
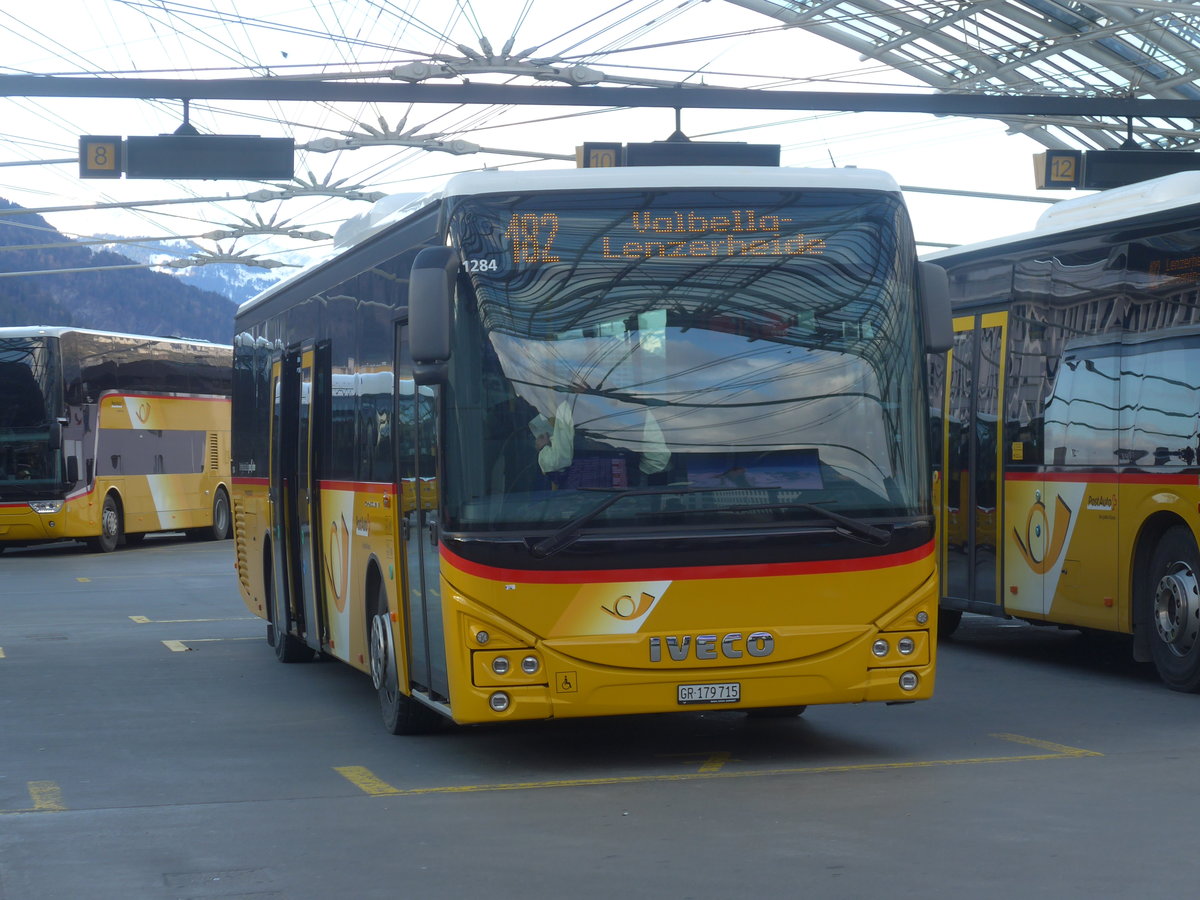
[(710, 646)]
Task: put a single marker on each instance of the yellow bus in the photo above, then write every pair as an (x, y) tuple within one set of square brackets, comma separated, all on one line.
[(599, 441), (106, 437), (1071, 484)]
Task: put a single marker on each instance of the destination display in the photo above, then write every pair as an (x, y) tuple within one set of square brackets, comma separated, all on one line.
[(531, 236)]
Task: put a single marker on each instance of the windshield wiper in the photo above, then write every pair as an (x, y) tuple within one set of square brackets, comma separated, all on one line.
[(567, 534), (850, 527), (570, 530)]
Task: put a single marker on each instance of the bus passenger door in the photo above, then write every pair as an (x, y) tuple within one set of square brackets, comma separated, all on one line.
[(304, 546), (292, 495), (416, 476), (971, 512)]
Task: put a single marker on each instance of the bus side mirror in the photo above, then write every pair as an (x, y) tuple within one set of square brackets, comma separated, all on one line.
[(72, 470), (934, 286), (430, 297), (56, 431)]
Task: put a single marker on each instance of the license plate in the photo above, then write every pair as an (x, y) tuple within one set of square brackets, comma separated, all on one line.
[(722, 692)]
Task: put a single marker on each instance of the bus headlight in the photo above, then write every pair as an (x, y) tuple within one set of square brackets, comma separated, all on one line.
[(906, 646), (880, 647), (46, 507), (500, 665), (922, 617), (909, 681), (530, 664), (498, 701)]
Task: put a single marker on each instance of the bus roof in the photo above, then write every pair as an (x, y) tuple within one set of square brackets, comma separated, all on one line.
[(1133, 201), (17, 331)]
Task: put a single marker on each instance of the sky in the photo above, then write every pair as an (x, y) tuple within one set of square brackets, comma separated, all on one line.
[(708, 42)]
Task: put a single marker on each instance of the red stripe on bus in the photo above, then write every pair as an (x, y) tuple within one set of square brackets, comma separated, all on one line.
[(1188, 480), (360, 487), (241, 479), (584, 576), (208, 398)]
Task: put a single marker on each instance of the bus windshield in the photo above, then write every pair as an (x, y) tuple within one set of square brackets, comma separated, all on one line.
[(756, 351), (29, 391)]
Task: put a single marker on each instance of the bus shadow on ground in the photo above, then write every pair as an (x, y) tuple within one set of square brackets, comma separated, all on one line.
[(1096, 652)]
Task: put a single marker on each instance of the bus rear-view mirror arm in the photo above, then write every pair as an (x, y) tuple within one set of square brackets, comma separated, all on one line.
[(934, 287), (430, 295)]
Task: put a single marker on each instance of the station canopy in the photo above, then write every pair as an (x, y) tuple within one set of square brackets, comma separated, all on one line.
[(1104, 48)]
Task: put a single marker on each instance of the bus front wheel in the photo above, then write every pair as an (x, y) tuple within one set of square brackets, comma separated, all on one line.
[(1174, 592), (288, 647), (110, 528), (401, 714)]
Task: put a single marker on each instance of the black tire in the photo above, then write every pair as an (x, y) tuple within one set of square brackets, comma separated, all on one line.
[(948, 621), (1173, 611), (288, 648), (222, 521), (221, 526), (401, 714), (110, 528), (776, 712)]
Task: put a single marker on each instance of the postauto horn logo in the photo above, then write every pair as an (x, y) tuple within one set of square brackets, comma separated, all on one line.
[(1043, 540)]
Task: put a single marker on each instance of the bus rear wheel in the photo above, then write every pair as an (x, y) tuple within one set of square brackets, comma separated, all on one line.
[(401, 714), (110, 528), (1173, 585), (220, 528)]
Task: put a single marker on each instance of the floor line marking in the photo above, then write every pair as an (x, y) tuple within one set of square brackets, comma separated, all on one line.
[(182, 646), (46, 796), (374, 786), (1061, 749), (1, 653)]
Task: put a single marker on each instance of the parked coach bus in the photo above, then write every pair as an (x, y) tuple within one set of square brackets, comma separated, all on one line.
[(106, 437), (1071, 477), (599, 441)]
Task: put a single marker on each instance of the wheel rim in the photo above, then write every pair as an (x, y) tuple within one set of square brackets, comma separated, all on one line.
[(109, 520), (381, 655), (1177, 608)]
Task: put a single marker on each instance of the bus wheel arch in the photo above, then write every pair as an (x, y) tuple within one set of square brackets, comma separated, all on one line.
[(112, 528), (1167, 602), (401, 714)]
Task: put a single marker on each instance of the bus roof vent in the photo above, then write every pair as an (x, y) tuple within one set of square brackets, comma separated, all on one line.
[(1167, 192)]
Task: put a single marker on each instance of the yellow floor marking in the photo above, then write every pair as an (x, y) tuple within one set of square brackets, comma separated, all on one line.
[(374, 786), (181, 646), (46, 796), (715, 762), (365, 780), (709, 762), (142, 620), (1, 653), (83, 579), (1056, 749)]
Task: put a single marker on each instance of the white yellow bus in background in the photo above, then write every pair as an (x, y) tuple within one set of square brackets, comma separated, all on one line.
[(106, 437), (1071, 450)]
